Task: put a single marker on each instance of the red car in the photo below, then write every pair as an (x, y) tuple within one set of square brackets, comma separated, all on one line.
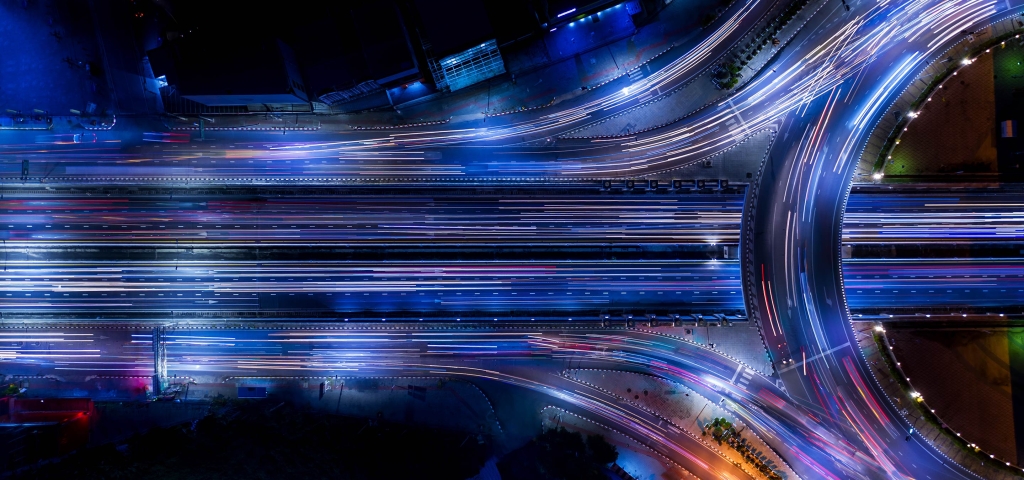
[(166, 137)]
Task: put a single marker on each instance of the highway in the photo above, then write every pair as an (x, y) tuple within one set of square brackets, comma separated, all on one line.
[(366, 291), (329, 155), (821, 97), (373, 216), (978, 283), (937, 215), (373, 253), (936, 249), (534, 359), (796, 263)]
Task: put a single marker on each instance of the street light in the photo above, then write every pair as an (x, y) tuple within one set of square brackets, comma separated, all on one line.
[(877, 176)]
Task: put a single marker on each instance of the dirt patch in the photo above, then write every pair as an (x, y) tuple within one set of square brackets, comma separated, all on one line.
[(956, 131), (965, 376)]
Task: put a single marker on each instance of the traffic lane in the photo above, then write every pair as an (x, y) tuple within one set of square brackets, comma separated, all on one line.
[(76, 352), (869, 414), (214, 355), (769, 259), (651, 430), (706, 219), (660, 161), (813, 330), (756, 399), (837, 365), (378, 287), (313, 162), (367, 158), (926, 282), (913, 217), (232, 353), (417, 156)]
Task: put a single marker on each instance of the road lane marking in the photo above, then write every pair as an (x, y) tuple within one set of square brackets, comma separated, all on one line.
[(739, 368), (822, 354)]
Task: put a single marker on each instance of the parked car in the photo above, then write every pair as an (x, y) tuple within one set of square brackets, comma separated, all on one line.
[(166, 137)]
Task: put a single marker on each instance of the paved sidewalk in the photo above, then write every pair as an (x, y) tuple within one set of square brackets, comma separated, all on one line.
[(740, 341)]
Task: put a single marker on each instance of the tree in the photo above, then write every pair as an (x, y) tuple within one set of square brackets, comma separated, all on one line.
[(603, 452), (558, 454), (10, 390)]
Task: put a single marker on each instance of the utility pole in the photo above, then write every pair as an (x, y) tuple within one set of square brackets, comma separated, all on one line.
[(341, 389), (159, 360), (700, 412)]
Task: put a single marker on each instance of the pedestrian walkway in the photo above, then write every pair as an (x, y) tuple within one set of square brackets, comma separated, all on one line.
[(740, 341)]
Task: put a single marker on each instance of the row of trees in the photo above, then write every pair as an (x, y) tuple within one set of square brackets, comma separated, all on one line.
[(728, 74), (724, 432)]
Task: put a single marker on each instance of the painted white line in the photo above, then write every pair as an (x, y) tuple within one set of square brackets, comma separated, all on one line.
[(804, 362), (738, 369)]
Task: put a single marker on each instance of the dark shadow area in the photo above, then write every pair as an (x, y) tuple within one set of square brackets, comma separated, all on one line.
[(560, 454), (272, 439)]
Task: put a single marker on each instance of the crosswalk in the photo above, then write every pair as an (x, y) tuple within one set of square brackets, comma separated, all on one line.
[(742, 376)]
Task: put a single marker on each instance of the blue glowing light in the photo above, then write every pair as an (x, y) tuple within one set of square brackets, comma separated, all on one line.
[(560, 15)]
